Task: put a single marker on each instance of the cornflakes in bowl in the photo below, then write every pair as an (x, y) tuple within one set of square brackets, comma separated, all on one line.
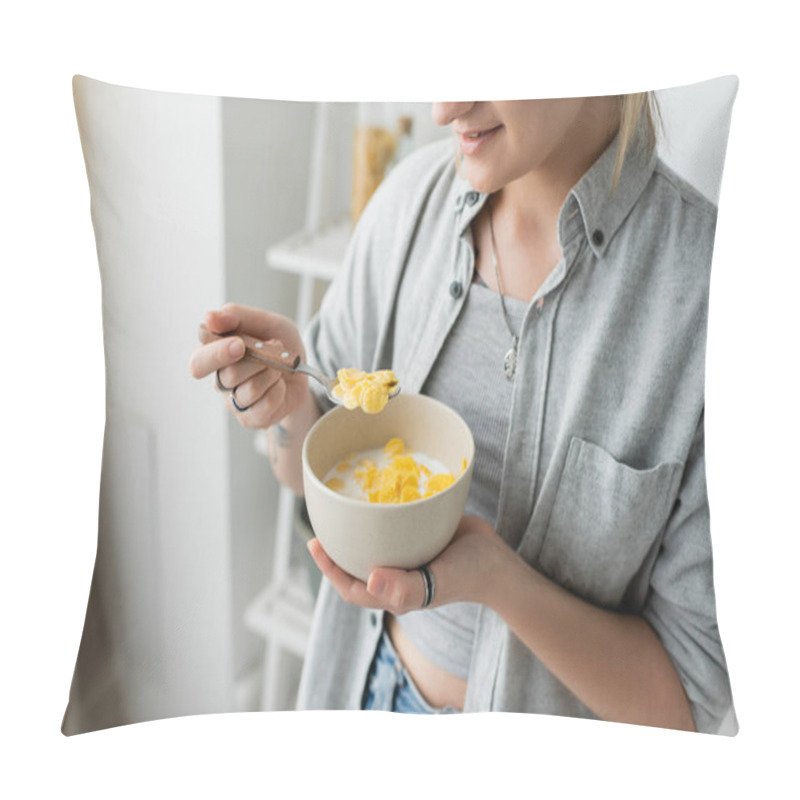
[(402, 517)]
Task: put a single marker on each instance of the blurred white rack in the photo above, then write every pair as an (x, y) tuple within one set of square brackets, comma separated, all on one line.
[(316, 255), (281, 613)]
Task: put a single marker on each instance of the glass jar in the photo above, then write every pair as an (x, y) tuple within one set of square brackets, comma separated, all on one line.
[(374, 146)]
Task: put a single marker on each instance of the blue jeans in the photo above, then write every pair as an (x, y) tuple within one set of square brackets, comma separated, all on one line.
[(390, 688)]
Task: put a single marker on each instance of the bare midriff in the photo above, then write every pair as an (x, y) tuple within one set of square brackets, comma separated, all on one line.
[(439, 687)]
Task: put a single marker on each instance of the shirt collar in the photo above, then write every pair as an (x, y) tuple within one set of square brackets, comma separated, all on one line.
[(467, 203), (590, 204)]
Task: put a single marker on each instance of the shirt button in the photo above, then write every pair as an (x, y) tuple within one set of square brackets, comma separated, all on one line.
[(597, 237), (472, 198), (373, 618), (455, 289)]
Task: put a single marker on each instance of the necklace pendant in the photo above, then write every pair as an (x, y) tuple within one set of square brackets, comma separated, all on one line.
[(510, 361)]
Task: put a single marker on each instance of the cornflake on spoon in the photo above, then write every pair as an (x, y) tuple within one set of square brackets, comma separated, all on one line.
[(369, 391)]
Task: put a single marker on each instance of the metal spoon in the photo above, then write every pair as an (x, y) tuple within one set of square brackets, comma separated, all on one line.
[(272, 354)]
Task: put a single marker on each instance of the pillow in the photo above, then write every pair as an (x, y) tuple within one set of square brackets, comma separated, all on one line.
[(188, 194)]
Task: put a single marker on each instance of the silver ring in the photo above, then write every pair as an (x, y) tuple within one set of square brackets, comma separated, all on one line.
[(430, 585), (219, 383), (233, 400)]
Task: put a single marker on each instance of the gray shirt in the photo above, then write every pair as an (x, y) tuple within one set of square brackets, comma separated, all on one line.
[(603, 486), (468, 376)]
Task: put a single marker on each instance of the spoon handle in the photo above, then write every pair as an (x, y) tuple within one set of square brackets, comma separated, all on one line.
[(270, 352)]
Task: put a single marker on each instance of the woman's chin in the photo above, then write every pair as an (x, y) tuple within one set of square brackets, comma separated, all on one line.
[(479, 180)]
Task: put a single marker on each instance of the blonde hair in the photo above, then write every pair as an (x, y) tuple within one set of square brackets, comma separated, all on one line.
[(639, 117)]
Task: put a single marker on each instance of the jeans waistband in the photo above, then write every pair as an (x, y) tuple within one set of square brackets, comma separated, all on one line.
[(390, 687)]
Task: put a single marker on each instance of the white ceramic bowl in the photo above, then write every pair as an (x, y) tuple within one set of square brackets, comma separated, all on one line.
[(359, 535)]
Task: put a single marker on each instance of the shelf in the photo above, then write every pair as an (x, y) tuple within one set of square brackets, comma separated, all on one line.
[(318, 255), (282, 612)]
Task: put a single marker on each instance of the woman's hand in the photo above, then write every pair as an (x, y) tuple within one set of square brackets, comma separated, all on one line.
[(266, 394), (463, 571)]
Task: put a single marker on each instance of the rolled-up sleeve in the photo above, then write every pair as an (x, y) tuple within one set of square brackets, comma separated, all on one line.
[(681, 606)]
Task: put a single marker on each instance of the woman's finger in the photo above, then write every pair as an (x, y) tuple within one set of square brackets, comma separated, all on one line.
[(264, 325), (250, 382), (261, 401), (351, 589), (248, 372), (216, 355), (397, 590), (394, 590), (220, 321)]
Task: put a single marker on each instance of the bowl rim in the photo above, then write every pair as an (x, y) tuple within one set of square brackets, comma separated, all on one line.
[(397, 507)]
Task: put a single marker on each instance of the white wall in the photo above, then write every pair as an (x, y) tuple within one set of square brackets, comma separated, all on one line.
[(159, 607), (187, 192), (696, 122)]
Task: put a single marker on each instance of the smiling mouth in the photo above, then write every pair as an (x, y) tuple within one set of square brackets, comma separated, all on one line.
[(479, 134), (473, 142)]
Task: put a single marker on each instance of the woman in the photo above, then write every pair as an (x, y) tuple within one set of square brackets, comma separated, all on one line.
[(552, 286)]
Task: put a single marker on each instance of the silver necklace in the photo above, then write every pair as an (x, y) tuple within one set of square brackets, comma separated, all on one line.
[(510, 359)]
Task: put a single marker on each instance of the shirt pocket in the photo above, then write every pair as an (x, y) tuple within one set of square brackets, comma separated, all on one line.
[(605, 519)]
